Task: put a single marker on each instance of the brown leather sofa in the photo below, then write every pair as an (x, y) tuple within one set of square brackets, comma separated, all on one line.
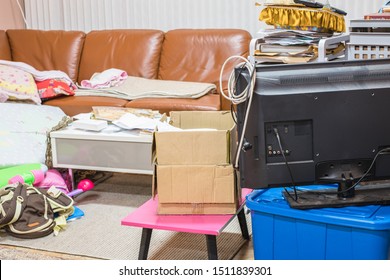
[(193, 55)]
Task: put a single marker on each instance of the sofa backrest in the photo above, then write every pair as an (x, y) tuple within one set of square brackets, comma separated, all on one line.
[(48, 50), (198, 54), (5, 52), (135, 51)]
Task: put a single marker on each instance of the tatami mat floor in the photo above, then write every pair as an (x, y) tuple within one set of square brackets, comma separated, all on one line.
[(19, 253), (246, 252)]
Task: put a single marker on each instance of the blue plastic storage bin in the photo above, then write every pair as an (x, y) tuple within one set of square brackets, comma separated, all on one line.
[(348, 233)]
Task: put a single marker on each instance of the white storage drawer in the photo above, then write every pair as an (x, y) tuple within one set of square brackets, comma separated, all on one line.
[(117, 152)]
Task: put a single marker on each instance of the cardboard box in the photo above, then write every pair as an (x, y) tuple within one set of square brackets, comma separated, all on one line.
[(208, 138), (193, 173), (196, 189)]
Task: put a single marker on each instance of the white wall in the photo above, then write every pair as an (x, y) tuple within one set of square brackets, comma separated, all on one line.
[(165, 15), (10, 15), (356, 9)]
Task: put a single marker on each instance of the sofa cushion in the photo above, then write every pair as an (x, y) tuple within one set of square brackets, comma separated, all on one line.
[(5, 52), (133, 50), (48, 50), (73, 105), (198, 54), (208, 102)]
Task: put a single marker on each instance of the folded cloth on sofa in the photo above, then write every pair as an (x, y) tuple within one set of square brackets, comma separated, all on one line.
[(108, 78), (39, 75), (136, 87)]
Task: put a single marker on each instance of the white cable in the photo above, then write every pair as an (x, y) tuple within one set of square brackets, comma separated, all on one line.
[(23, 16), (231, 94), (237, 98)]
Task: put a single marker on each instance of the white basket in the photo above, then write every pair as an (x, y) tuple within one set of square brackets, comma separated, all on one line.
[(367, 51), (324, 45), (366, 43)]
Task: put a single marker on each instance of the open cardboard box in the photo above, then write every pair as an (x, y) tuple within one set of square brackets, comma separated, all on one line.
[(193, 173)]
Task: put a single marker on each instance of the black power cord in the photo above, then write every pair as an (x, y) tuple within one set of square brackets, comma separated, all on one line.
[(295, 198), (380, 152)]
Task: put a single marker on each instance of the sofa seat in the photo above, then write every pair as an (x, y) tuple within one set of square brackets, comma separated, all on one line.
[(208, 102), (73, 105)]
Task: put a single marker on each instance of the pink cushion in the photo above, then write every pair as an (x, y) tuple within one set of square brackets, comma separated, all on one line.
[(53, 178)]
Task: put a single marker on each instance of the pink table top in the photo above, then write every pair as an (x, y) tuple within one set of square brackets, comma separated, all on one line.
[(146, 217)]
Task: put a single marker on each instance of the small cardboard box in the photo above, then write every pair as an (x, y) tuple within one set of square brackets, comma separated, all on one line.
[(208, 137), (196, 189), (193, 173)]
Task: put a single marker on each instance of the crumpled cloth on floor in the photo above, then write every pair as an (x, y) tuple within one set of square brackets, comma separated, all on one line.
[(108, 78)]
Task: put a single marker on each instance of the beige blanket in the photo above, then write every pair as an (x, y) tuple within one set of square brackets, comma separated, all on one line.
[(135, 88)]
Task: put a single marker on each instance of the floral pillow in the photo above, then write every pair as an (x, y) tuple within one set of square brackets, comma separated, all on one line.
[(52, 88), (17, 85)]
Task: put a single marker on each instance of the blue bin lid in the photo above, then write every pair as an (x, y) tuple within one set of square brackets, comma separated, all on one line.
[(271, 201)]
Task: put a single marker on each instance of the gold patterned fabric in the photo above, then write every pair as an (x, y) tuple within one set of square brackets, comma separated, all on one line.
[(303, 18), (65, 121)]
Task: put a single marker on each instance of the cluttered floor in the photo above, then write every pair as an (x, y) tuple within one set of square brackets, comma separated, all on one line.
[(117, 196)]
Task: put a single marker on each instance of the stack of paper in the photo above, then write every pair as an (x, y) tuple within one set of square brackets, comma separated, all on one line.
[(284, 46), (132, 122), (290, 46)]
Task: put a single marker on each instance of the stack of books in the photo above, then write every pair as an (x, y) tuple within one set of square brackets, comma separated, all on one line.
[(382, 14), (294, 46), (378, 16)]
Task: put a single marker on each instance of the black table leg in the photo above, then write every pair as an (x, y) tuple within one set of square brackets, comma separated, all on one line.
[(212, 247), (243, 225), (145, 242)]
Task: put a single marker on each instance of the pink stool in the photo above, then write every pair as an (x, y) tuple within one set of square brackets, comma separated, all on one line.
[(210, 225)]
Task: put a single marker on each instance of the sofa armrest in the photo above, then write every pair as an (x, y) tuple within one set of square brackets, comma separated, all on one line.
[(5, 51)]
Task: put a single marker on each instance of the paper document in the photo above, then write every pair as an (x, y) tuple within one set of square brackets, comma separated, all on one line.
[(131, 121), (82, 116)]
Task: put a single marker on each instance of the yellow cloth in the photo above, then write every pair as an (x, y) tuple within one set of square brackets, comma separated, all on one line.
[(302, 18), (61, 222)]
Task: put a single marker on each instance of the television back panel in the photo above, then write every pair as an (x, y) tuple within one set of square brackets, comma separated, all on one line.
[(335, 113)]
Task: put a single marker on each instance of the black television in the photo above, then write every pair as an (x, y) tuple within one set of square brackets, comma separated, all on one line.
[(318, 123)]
